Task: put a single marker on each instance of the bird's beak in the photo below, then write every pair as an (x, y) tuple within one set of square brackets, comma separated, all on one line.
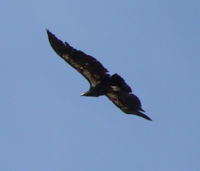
[(87, 93), (84, 94)]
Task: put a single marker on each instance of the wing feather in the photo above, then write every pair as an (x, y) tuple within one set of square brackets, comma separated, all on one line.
[(87, 65), (114, 96), (118, 81), (128, 103)]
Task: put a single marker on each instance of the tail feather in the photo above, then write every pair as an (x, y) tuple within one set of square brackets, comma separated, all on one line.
[(138, 113)]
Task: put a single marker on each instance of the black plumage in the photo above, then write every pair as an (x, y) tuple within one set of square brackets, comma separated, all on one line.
[(101, 83)]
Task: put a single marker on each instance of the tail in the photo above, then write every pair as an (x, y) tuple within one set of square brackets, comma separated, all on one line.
[(138, 113)]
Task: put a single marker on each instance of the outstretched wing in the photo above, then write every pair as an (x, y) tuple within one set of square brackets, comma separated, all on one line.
[(127, 102), (114, 97), (87, 65)]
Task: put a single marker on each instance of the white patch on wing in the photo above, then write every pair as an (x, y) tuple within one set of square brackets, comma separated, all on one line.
[(66, 56), (115, 88)]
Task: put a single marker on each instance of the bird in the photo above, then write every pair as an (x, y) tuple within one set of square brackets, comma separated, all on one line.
[(101, 82)]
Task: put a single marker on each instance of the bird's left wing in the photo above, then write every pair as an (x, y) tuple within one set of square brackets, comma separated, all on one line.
[(127, 102), (114, 97), (87, 65)]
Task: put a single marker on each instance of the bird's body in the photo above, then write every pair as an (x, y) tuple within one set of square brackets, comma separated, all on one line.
[(101, 83)]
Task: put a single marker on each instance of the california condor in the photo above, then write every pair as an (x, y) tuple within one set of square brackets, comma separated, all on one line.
[(101, 83)]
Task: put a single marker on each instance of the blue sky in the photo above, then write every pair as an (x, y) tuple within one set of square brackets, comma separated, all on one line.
[(44, 123)]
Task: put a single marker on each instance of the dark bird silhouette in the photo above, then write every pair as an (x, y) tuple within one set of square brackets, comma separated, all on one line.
[(101, 83)]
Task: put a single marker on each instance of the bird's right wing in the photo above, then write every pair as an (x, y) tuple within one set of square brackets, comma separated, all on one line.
[(87, 65)]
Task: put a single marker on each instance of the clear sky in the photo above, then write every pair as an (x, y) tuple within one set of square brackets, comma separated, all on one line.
[(44, 123)]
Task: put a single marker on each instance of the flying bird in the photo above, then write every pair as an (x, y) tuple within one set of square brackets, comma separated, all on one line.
[(101, 82)]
